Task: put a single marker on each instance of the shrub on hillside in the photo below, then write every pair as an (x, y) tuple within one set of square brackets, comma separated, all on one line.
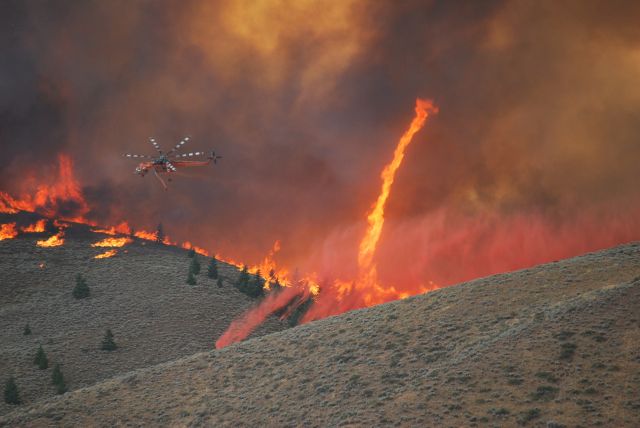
[(191, 253), (11, 395), (81, 290), (212, 269), (257, 285), (219, 282), (108, 344), (191, 280), (27, 330), (243, 278), (41, 359), (194, 267), (251, 285), (58, 380)]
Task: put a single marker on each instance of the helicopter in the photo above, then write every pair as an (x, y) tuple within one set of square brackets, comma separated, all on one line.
[(168, 163)]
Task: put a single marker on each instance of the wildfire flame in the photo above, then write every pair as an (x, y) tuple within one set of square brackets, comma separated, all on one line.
[(47, 197), (375, 218), (342, 295), (106, 254), (189, 246), (53, 241), (36, 227), (112, 242), (8, 231), (123, 229)]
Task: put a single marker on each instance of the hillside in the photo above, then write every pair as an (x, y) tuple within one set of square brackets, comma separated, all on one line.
[(555, 345), (140, 294)]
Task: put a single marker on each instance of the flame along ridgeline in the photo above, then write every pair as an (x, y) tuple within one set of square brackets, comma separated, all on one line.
[(342, 296), (62, 194)]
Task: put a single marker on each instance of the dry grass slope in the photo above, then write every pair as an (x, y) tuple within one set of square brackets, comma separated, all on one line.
[(555, 345), (140, 295)]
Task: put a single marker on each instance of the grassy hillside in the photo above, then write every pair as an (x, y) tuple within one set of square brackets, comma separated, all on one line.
[(141, 295), (555, 345)]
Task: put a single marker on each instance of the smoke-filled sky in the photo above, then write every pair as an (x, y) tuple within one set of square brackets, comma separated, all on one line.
[(533, 155)]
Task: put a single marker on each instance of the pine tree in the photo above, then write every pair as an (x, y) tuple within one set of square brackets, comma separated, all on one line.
[(160, 234), (81, 290), (191, 280), (58, 380), (212, 269), (194, 267), (243, 279), (191, 253), (257, 285), (27, 330), (108, 343), (41, 359), (219, 282), (11, 392)]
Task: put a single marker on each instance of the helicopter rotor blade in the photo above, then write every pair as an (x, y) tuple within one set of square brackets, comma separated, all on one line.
[(170, 167), (132, 155), (155, 144), (178, 146), (190, 154)]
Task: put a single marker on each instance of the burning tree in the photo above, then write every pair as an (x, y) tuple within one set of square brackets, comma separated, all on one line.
[(41, 359), (160, 234), (81, 290), (58, 380), (212, 269), (11, 395), (108, 344)]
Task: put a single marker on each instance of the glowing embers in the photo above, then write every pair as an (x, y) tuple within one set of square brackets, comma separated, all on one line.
[(113, 242), (8, 231), (53, 241), (106, 254), (35, 227)]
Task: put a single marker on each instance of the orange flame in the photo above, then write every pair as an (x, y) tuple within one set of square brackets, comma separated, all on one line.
[(48, 197), (8, 231), (53, 241), (149, 236), (36, 227), (123, 228), (343, 295), (106, 254), (375, 219), (189, 246), (112, 242)]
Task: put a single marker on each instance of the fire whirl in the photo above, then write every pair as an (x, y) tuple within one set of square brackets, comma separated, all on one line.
[(343, 295)]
